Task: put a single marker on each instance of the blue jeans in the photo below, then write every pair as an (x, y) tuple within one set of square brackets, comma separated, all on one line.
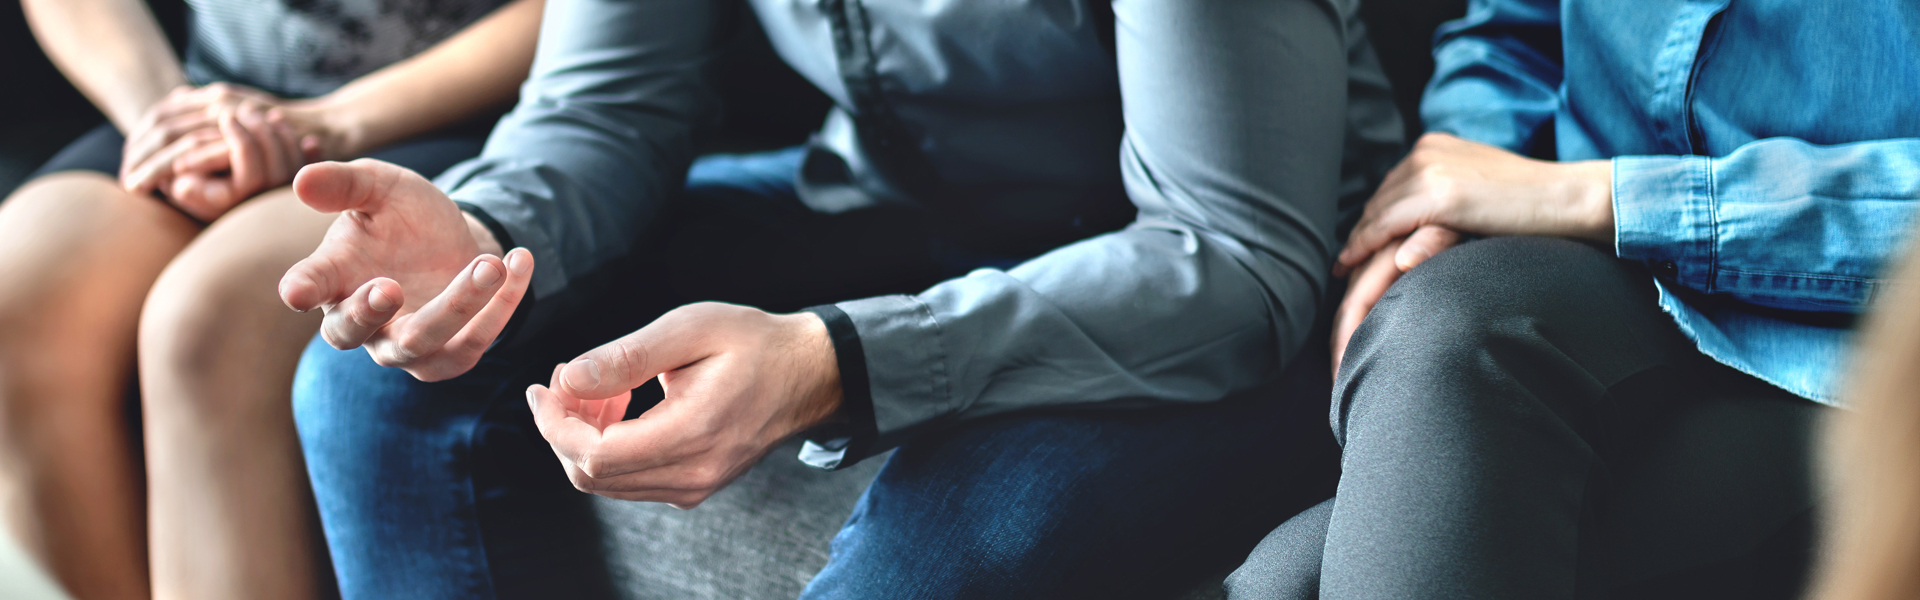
[(447, 490)]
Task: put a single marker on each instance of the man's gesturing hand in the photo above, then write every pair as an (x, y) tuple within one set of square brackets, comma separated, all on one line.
[(403, 271), (739, 381)]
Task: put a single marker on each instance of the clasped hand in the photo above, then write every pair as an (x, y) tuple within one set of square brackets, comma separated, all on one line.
[(1448, 187), (208, 148)]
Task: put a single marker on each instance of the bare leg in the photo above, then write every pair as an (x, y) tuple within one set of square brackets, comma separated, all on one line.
[(78, 254), (232, 513)]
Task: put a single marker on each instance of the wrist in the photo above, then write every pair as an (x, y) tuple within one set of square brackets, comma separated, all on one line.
[(337, 124), (482, 236), (1594, 196), (819, 369)]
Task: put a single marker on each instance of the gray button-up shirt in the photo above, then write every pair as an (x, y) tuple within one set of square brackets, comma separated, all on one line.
[(1224, 122)]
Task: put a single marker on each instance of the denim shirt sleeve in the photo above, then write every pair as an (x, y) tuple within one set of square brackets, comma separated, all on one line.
[(601, 138), (1779, 222), (1235, 112), (1497, 74)]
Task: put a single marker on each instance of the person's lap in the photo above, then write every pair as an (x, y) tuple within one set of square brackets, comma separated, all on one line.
[(1521, 419), (446, 489), (98, 267)]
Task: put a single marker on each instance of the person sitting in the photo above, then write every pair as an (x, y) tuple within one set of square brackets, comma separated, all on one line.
[(1002, 267), (1624, 219), (157, 239)]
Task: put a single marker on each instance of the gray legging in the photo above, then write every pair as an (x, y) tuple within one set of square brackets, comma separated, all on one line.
[(1521, 421)]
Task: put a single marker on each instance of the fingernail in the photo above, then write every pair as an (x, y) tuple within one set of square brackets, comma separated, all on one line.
[(378, 300), (484, 275), (583, 374), (532, 401), (517, 262)]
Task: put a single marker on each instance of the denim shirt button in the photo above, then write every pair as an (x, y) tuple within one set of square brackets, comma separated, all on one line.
[(1666, 270)]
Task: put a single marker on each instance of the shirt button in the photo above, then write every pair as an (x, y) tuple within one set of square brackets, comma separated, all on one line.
[(1667, 270)]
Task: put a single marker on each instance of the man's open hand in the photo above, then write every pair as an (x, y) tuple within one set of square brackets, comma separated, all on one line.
[(739, 381), (403, 270)]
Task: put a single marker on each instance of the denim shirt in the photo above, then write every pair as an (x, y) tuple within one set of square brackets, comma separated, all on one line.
[(1765, 166)]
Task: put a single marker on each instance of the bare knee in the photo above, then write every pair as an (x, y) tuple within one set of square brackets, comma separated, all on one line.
[(76, 241), (79, 254), (213, 331)]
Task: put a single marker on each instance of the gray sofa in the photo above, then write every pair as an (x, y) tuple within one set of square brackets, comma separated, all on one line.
[(761, 538)]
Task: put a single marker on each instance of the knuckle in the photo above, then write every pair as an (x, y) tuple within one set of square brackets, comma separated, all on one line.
[(709, 479), (431, 373), (385, 358), (411, 348), (1444, 194), (1431, 139), (581, 481), (630, 356), (706, 310), (593, 466), (333, 339), (691, 500), (511, 294), (362, 317)]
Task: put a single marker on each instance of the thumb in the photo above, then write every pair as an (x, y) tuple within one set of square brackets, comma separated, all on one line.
[(312, 283), (365, 185), (626, 363)]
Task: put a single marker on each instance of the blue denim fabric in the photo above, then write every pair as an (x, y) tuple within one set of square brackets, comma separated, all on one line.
[(446, 490), (1765, 166)]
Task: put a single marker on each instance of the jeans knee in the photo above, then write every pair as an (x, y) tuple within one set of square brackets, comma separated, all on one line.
[(356, 417), (336, 394)]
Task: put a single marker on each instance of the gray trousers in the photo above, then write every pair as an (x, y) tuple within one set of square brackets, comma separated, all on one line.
[(1518, 419)]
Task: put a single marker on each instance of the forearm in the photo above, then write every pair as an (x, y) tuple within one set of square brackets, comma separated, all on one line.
[(459, 78), (113, 50), (1210, 291)]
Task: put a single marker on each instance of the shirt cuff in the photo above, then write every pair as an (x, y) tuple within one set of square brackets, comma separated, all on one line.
[(846, 440), (905, 363), (1663, 216)]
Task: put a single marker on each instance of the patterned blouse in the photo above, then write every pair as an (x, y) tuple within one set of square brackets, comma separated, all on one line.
[(305, 48)]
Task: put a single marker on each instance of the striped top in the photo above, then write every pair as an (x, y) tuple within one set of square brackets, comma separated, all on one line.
[(305, 48)]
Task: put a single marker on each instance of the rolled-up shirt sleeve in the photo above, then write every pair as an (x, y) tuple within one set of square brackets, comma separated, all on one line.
[(600, 141), (1778, 222), (1235, 115)]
